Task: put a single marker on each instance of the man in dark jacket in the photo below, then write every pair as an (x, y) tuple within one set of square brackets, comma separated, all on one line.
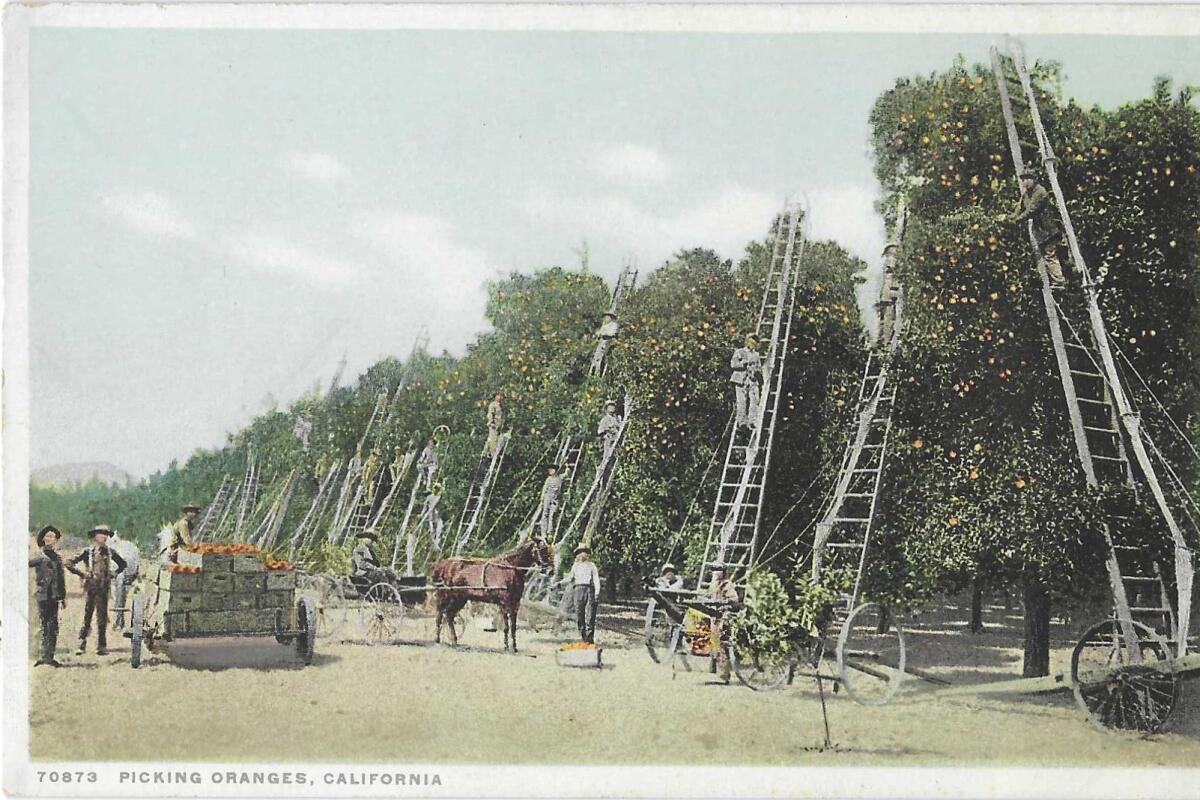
[(98, 559), (1036, 206), (51, 591)]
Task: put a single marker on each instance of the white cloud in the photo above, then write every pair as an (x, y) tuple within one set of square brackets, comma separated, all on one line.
[(279, 255), (148, 212), (425, 272), (724, 219), (316, 167), (632, 163), (846, 214)]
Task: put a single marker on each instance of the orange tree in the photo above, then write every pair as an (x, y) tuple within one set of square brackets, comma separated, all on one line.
[(985, 482), (677, 335)]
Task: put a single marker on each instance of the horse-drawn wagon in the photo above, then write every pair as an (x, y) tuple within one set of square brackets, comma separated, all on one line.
[(212, 593)]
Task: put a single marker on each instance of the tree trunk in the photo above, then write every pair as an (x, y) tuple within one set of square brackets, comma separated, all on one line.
[(1037, 630), (610, 587), (885, 619), (976, 623)]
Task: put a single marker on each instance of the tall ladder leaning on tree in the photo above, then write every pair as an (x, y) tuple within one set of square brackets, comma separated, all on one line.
[(353, 515), (1104, 424), (737, 512), (479, 493), (212, 514), (843, 531), (625, 284)]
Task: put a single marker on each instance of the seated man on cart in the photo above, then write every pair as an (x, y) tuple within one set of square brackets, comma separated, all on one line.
[(364, 565)]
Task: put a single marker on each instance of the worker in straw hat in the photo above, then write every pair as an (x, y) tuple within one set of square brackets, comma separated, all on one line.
[(1047, 232), (609, 428), (586, 581), (98, 560), (51, 591)]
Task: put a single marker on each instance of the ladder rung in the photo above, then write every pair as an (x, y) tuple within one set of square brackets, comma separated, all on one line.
[(1108, 458), (1099, 430), (1144, 609), (1086, 373), (853, 545), (1093, 402), (852, 519), (859, 494), (1140, 578), (1125, 547), (864, 469)]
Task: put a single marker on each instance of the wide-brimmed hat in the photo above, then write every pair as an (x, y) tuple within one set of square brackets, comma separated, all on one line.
[(667, 567), (718, 567), (368, 534), (190, 507), (752, 337), (1027, 173), (553, 466), (105, 529), (41, 535), (608, 403), (583, 548)]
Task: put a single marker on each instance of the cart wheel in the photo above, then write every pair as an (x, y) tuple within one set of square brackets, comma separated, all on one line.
[(1124, 687), (870, 663), (761, 672), (306, 622), (663, 636), (380, 613), (330, 598), (137, 619)]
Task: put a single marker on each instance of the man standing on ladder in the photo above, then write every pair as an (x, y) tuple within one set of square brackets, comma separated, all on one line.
[(609, 328), (495, 421), (551, 489), (427, 464), (1035, 205), (746, 379), (609, 428), (433, 516), (889, 292)]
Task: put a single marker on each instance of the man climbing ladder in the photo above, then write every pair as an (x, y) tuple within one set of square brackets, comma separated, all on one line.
[(1047, 233)]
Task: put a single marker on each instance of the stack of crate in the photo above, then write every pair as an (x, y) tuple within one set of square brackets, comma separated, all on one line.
[(231, 594)]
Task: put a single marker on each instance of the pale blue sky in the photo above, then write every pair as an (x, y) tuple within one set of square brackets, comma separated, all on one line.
[(217, 215)]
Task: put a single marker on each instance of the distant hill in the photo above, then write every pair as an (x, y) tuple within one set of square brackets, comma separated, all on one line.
[(67, 475)]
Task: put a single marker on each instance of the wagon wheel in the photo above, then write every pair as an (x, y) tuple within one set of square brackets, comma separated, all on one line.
[(1124, 687), (137, 620), (663, 636), (870, 656), (379, 614), (760, 671), (306, 623), (329, 595)]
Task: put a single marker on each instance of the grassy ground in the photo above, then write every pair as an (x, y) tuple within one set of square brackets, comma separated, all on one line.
[(251, 700)]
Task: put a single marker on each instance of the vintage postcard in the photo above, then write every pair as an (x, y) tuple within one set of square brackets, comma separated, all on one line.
[(601, 400)]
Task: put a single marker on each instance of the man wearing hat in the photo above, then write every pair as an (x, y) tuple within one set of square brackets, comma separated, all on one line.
[(608, 331), (609, 428), (1047, 233), (551, 489), (51, 591), (364, 565), (723, 594), (432, 513), (427, 464), (98, 561), (669, 580), (181, 533), (747, 379), (586, 580)]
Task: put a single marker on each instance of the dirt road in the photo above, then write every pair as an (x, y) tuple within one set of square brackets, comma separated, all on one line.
[(252, 700)]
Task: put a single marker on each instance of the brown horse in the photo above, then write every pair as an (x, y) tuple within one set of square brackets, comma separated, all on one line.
[(500, 581)]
